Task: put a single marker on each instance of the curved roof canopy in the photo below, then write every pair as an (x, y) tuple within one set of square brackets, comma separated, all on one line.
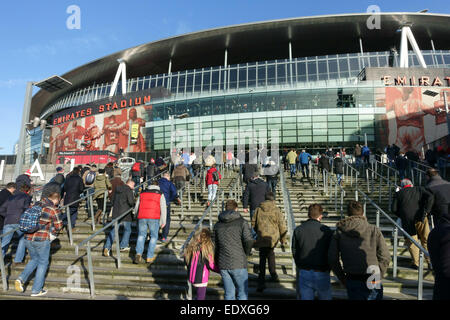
[(259, 41)]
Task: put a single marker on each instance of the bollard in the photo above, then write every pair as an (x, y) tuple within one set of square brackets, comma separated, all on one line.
[(116, 235)]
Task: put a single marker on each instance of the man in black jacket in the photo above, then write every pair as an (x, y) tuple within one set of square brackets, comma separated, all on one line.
[(439, 249), (5, 194), (324, 164), (73, 188), (401, 163), (412, 205), (12, 209), (310, 244), (338, 168), (24, 179), (233, 243), (440, 188), (55, 184), (254, 194), (151, 170), (122, 200)]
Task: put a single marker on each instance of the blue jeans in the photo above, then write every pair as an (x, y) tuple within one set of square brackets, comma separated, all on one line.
[(20, 252), (39, 253), (144, 225), (87, 206), (358, 162), (125, 237), (339, 177), (272, 182), (357, 290), (293, 168), (235, 279), (311, 282)]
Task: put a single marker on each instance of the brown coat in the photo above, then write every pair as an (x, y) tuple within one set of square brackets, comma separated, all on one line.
[(181, 173), (269, 224)]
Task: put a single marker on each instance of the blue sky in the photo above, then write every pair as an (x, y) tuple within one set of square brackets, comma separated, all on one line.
[(37, 44)]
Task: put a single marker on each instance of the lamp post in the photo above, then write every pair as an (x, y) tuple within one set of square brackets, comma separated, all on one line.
[(51, 84)]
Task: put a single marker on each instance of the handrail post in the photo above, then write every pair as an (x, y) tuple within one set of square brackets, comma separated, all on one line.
[(378, 219), (420, 287), (91, 206), (356, 194), (367, 180), (2, 267), (189, 194), (342, 204), (180, 194), (105, 199), (69, 224), (210, 217), (390, 195), (351, 177), (394, 263), (335, 197), (116, 235), (91, 271), (195, 190)]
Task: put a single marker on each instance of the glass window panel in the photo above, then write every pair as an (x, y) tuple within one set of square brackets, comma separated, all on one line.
[(343, 64), (319, 118), (206, 80), (173, 83), (215, 80), (243, 122), (159, 82), (271, 74), (189, 82), (289, 133), (354, 64), (312, 71), (218, 105), (335, 138), (335, 118), (289, 126), (233, 78), (334, 124), (193, 108), (233, 123), (198, 82), (350, 117), (205, 105), (301, 71), (281, 73), (305, 125), (260, 121), (304, 139), (251, 77), (289, 139), (373, 62), (335, 131), (231, 104), (261, 75), (304, 119), (259, 102), (351, 124), (304, 132), (244, 103), (320, 138), (181, 83)]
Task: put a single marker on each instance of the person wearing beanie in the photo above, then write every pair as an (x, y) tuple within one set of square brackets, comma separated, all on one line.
[(24, 179), (412, 205), (338, 167)]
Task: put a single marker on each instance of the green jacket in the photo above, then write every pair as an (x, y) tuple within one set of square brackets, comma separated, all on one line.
[(101, 183), (269, 224)]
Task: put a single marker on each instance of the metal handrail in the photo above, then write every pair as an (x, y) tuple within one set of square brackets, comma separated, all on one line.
[(234, 185), (289, 215), (396, 228)]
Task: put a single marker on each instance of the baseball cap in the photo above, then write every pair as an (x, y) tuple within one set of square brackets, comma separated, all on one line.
[(58, 169)]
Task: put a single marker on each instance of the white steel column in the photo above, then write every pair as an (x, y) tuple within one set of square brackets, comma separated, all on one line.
[(434, 53), (408, 35), (169, 74), (362, 53), (225, 64), (121, 71), (290, 61)]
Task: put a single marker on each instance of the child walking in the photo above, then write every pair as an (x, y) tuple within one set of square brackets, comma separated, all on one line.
[(199, 257)]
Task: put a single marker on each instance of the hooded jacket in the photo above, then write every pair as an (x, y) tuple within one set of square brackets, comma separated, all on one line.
[(441, 191), (233, 241), (73, 187), (248, 171), (269, 224), (359, 245), (209, 176), (13, 208), (255, 193), (324, 164), (122, 200), (411, 205), (101, 183), (22, 180), (338, 165)]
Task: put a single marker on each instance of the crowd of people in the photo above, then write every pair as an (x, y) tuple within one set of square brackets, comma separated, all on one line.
[(350, 251)]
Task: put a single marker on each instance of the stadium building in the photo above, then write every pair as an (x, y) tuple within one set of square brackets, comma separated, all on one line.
[(322, 81)]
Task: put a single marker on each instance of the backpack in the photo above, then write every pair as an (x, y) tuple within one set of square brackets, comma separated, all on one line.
[(215, 176), (29, 221), (90, 177), (136, 167)]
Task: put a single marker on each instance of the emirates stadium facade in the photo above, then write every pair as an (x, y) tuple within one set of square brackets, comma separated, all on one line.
[(322, 81)]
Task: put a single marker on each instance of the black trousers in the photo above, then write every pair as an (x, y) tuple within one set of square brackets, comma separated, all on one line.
[(266, 254)]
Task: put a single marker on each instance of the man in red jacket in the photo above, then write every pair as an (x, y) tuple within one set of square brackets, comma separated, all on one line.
[(212, 181), (151, 216)]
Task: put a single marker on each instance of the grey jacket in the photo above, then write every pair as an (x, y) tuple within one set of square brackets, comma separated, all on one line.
[(359, 245), (233, 241)]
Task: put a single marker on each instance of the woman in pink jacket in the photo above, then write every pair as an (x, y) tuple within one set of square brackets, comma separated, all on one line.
[(199, 257)]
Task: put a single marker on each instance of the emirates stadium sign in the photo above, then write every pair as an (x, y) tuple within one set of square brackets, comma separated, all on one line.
[(133, 99)]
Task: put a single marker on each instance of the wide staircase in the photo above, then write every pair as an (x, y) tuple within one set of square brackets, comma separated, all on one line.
[(304, 192), (166, 278)]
